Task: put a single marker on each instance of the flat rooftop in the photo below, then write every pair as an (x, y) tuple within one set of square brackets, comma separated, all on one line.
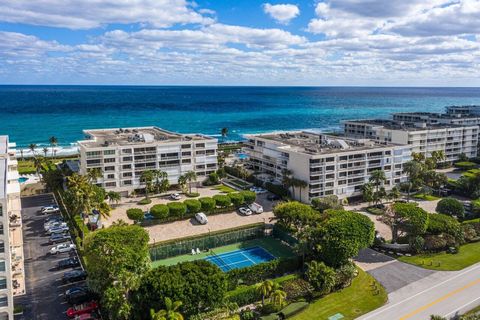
[(438, 115), (395, 125), (135, 136), (3, 145), (315, 143)]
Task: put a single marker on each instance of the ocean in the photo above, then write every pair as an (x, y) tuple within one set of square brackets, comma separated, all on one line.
[(32, 114)]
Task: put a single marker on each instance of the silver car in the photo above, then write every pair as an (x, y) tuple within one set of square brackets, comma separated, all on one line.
[(201, 218), (57, 230), (62, 248)]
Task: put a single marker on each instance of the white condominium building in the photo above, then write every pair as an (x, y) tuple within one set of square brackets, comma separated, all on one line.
[(12, 274), (329, 165), (123, 154), (463, 110), (422, 137)]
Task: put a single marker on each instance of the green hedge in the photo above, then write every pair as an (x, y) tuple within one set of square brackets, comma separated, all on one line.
[(160, 211), (222, 200), (236, 198), (466, 165), (208, 203), (276, 189), (248, 196), (193, 205), (177, 209), (135, 214), (171, 218)]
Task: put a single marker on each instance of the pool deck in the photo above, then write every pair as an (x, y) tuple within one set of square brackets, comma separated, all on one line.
[(273, 246)]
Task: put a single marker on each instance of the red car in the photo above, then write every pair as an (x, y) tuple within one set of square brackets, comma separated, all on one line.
[(82, 309), (86, 316)]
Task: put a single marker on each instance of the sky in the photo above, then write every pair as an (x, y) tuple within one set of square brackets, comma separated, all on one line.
[(241, 42)]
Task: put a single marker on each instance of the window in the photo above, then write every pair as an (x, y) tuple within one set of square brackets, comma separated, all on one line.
[(109, 160), (200, 145), (1, 228), (199, 152), (1, 211), (127, 182), (2, 247), (127, 174), (110, 184), (3, 283), (108, 152), (3, 301), (111, 176), (186, 146), (186, 154), (92, 154), (2, 265), (93, 162), (330, 159), (127, 159), (127, 151), (127, 166), (110, 168)]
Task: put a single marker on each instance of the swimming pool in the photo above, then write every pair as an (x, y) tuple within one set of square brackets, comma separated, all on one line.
[(240, 258), (241, 155), (22, 179)]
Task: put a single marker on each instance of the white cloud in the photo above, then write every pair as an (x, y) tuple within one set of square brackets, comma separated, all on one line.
[(282, 13), (87, 14)]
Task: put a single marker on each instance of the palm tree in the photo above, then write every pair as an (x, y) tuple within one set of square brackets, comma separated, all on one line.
[(45, 151), (113, 197), (278, 296), (32, 147), (300, 184), (53, 142), (190, 176), (394, 194), (224, 133), (265, 288), (182, 182), (367, 192), (38, 164), (93, 174), (413, 170), (161, 181), (147, 179), (21, 154), (169, 313)]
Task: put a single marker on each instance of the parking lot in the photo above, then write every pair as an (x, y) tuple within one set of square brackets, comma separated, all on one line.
[(45, 292)]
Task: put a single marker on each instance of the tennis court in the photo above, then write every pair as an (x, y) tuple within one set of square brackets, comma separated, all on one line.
[(240, 258)]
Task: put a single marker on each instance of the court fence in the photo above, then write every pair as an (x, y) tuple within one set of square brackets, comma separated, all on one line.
[(280, 233), (176, 247)]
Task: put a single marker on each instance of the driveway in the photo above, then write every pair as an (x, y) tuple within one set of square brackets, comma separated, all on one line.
[(44, 290), (391, 273)]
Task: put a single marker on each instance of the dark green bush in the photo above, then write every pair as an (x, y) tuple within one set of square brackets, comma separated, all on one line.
[(177, 209), (441, 223), (159, 211), (451, 207), (248, 196), (236, 198), (277, 189), (469, 233), (144, 201), (243, 295), (192, 194), (193, 205), (135, 214), (222, 200), (208, 204), (465, 165), (297, 288)]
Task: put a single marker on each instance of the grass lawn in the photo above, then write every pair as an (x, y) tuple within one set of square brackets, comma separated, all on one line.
[(468, 254), (426, 197), (361, 297), (224, 189), (471, 173), (26, 166), (272, 245)]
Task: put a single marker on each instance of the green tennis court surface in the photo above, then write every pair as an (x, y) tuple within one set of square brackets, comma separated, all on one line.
[(273, 246)]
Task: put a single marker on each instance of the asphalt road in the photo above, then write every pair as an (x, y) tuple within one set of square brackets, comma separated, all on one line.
[(44, 299), (443, 293)]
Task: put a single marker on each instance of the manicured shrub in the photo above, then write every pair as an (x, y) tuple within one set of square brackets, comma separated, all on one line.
[(451, 207), (243, 295), (177, 209), (192, 194), (135, 214), (159, 211), (344, 275), (297, 288), (208, 204), (465, 165), (441, 223), (475, 223), (193, 205), (469, 233), (236, 198), (144, 201), (212, 179), (248, 196), (435, 243), (222, 200)]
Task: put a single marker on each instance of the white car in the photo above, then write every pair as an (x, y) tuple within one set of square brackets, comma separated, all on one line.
[(49, 209), (56, 224), (256, 208), (57, 230), (201, 218), (245, 211), (62, 248), (175, 196)]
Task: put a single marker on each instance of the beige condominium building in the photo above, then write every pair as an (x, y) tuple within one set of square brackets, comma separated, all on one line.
[(421, 136), (12, 275), (123, 154), (330, 165)]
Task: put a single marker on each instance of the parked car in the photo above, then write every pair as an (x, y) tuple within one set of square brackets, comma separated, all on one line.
[(201, 218), (57, 230), (68, 263), (82, 309), (258, 190), (74, 276), (245, 211), (54, 224), (273, 197), (255, 207), (59, 238), (87, 316), (49, 209), (175, 196), (52, 219), (77, 295), (62, 248)]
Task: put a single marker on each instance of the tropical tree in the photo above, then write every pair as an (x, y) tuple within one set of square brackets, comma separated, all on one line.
[(161, 183), (32, 147), (45, 151), (93, 174), (146, 178), (224, 133), (53, 143), (378, 178), (438, 156), (169, 313), (265, 288), (300, 184), (278, 296), (414, 171), (367, 192), (182, 183), (113, 197), (394, 194), (190, 176), (38, 164), (320, 276)]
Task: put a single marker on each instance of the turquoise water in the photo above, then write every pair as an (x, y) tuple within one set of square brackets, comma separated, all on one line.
[(31, 114), (22, 179)]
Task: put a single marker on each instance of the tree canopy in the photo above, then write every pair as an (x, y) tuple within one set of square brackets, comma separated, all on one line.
[(295, 216), (451, 207)]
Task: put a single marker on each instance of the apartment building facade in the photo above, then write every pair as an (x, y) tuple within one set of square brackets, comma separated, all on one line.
[(123, 154), (12, 274), (329, 165), (421, 136)]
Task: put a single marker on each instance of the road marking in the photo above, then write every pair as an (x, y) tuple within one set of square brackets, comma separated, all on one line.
[(445, 297), (472, 268)]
